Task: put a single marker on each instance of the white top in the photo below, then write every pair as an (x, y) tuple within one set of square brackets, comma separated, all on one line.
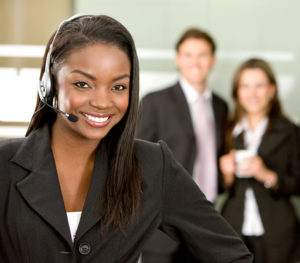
[(252, 223), (192, 96), (73, 219)]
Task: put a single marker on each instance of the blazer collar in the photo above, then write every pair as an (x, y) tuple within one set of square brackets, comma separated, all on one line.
[(41, 189), (273, 137), (182, 112), (92, 213), (217, 114)]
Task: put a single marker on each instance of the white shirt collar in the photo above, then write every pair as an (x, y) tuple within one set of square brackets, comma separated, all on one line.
[(190, 93), (252, 139), (243, 125)]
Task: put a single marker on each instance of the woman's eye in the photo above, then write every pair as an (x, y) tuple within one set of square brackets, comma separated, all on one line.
[(243, 86), (81, 84), (261, 85), (119, 87)]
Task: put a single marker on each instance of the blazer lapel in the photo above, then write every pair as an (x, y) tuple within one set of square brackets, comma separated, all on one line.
[(272, 139), (92, 213), (217, 122), (40, 188), (181, 109)]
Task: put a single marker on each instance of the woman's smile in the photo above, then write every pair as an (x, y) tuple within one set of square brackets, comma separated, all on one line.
[(97, 120)]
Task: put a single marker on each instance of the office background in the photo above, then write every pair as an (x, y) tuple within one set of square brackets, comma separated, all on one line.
[(241, 28), (265, 28)]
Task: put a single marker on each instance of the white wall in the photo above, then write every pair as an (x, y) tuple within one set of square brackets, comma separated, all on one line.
[(264, 28)]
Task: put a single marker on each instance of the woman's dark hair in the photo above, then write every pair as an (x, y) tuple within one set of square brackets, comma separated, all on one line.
[(274, 109), (121, 197)]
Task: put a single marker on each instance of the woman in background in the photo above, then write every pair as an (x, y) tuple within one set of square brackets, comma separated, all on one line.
[(262, 168), (79, 188)]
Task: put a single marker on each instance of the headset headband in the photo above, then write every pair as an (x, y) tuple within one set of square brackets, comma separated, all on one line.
[(45, 88)]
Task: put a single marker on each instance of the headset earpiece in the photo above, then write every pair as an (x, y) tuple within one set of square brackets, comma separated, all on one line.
[(46, 85)]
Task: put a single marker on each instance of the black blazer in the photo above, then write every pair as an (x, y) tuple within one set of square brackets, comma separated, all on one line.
[(279, 150), (33, 221), (165, 115)]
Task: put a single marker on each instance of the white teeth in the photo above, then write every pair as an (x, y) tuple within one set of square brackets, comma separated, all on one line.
[(96, 119)]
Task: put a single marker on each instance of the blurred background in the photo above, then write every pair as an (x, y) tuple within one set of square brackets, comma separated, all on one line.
[(242, 28)]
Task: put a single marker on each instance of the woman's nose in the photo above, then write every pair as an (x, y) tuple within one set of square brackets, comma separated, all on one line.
[(101, 98)]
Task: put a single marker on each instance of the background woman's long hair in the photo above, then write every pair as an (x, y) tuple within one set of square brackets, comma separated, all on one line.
[(274, 109), (121, 197)]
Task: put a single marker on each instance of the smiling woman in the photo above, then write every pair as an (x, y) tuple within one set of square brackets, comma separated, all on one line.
[(79, 187), (96, 90), (262, 169)]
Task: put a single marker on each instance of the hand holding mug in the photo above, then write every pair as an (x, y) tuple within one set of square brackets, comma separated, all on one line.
[(251, 165), (228, 167)]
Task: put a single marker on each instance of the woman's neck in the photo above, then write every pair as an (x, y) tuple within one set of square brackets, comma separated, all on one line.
[(254, 120), (74, 159), (75, 147)]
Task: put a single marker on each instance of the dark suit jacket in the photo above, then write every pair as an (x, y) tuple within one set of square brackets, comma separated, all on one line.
[(33, 221), (165, 115), (279, 150)]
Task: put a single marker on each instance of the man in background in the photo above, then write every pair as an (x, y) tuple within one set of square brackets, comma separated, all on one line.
[(191, 119)]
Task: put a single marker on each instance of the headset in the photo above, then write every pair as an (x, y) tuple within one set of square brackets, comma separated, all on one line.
[(45, 88)]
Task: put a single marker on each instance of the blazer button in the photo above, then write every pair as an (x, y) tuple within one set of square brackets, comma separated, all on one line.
[(84, 248)]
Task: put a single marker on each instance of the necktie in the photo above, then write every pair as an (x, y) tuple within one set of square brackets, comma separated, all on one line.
[(205, 174)]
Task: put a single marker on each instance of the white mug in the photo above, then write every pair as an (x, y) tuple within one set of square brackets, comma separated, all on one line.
[(242, 162)]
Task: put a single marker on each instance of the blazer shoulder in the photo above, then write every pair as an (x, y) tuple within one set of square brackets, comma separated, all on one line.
[(219, 100), (9, 147), (147, 150), (153, 155), (161, 93), (284, 124)]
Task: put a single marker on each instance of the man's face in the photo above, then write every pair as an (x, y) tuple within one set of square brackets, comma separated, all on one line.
[(194, 60)]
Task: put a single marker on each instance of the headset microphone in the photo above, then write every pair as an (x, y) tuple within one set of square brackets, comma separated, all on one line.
[(71, 117)]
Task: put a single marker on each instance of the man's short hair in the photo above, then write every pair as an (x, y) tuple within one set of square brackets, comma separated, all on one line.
[(199, 34)]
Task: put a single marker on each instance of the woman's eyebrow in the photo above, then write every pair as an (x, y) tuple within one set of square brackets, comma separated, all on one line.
[(84, 74), (121, 77), (93, 78)]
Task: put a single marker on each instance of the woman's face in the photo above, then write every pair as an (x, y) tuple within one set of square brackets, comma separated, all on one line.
[(255, 91), (93, 84)]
